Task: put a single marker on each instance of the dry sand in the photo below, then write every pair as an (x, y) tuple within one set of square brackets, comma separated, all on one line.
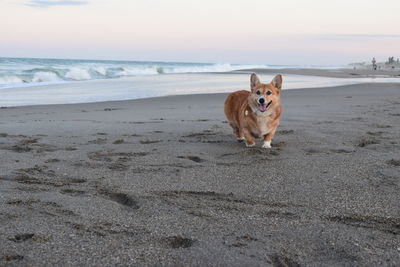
[(163, 182)]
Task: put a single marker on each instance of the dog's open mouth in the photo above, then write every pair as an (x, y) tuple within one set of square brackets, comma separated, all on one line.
[(264, 107)]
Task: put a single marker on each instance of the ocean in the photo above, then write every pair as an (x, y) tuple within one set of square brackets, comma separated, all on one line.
[(17, 72)]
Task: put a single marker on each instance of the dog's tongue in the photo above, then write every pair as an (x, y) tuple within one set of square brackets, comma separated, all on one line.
[(262, 108)]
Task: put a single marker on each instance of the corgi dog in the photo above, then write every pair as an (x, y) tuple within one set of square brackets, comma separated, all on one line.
[(255, 113)]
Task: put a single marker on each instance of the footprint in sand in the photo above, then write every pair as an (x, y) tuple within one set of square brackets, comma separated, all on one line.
[(282, 260), (366, 141), (13, 257), (98, 141), (118, 141), (72, 192), (192, 158), (146, 142), (393, 162), (178, 242), (120, 198)]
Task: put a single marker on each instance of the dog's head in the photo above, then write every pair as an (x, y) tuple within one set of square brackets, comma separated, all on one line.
[(265, 97)]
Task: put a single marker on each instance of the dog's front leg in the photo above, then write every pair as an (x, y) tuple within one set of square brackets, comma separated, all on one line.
[(249, 138), (267, 141), (268, 138)]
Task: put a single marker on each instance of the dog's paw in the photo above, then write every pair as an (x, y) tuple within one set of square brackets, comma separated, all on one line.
[(267, 144), (250, 145), (240, 139)]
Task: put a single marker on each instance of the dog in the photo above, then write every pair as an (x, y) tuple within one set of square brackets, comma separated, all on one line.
[(253, 114)]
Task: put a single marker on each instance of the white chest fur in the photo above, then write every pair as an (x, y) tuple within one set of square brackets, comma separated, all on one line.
[(263, 119), (262, 123)]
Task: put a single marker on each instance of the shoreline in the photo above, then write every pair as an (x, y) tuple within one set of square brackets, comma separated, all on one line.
[(158, 98), (141, 87)]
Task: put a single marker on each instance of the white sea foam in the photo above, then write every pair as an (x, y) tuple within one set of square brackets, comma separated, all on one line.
[(45, 77), (78, 74), (138, 71), (10, 80)]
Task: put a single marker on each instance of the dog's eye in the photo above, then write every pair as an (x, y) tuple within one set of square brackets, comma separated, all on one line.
[(258, 92), (269, 92)]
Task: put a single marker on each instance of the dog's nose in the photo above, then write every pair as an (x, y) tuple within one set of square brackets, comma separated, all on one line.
[(261, 100)]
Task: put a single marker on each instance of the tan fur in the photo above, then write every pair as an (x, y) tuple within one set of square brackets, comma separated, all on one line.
[(244, 115)]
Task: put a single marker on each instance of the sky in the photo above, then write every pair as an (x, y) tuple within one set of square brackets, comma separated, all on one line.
[(295, 32)]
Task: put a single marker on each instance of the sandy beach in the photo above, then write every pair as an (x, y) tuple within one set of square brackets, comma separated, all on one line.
[(162, 181)]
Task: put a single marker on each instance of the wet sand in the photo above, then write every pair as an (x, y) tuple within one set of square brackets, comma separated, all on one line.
[(163, 182)]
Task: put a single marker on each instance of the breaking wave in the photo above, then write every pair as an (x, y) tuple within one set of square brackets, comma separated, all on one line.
[(42, 76), (77, 74), (25, 71)]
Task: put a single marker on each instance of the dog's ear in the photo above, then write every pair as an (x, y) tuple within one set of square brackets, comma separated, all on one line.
[(254, 80), (277, 81)]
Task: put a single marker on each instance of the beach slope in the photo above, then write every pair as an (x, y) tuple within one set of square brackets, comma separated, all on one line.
[(162, 181)]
